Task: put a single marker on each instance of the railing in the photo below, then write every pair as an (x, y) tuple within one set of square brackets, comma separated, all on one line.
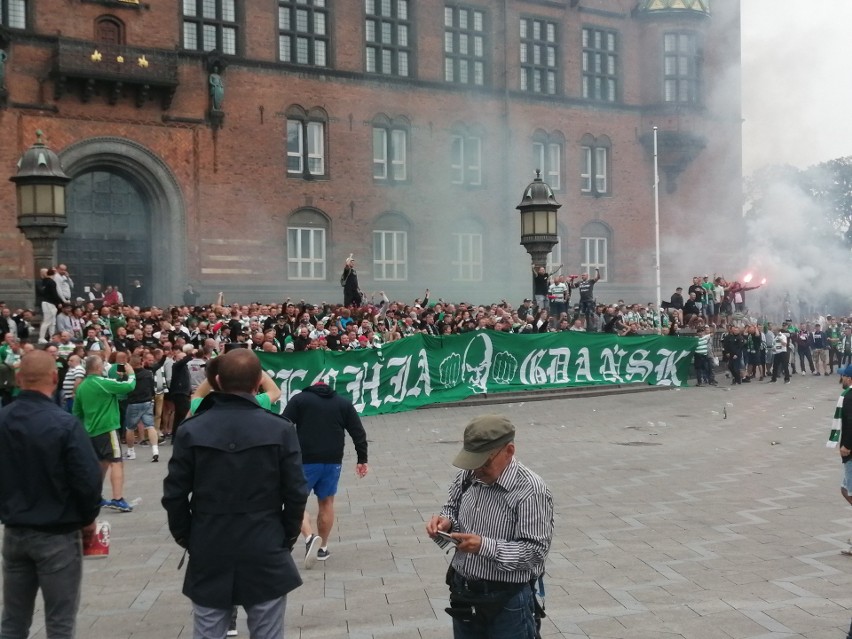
[(130, 65)]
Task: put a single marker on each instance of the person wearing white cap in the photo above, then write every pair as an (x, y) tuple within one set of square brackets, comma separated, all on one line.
[(499, 515)]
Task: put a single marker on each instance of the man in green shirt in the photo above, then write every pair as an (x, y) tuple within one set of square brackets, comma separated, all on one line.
[(96, 405)]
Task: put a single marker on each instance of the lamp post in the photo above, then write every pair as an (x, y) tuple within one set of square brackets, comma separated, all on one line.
[(40, 185), (538, 220)]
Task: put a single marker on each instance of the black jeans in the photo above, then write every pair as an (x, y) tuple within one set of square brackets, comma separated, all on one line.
[(805, 353), (52, 562), (780, 364)]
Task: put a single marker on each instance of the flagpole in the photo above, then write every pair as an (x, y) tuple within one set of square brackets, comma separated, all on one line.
[(657, 222)]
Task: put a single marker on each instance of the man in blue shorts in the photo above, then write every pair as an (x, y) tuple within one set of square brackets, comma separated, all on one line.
[(322, 418)]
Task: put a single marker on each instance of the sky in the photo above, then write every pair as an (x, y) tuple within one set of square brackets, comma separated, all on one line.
[(797, 94)]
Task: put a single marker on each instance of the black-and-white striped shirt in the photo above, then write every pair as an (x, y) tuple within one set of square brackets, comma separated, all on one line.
[(514, 517)]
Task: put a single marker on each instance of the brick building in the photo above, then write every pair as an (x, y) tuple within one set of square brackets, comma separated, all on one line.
[(250, 146)]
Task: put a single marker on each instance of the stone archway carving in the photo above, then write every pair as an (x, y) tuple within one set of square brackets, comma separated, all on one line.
[(159, 186)]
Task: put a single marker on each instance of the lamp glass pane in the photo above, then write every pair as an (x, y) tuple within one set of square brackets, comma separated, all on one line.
[(44, 199), (526, 223), (551, 222), (59, 199), (27, 199), (540, 222)]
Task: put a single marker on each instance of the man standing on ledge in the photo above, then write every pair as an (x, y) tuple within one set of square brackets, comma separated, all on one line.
[(322, 417), (500, 516), (587, 295), (349, 281), (235, 495), (50, 489)]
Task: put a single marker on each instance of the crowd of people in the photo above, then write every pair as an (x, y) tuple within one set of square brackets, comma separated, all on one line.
[(99, 322)]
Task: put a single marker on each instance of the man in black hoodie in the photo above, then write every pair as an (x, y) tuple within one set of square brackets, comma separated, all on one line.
[(321, 417)]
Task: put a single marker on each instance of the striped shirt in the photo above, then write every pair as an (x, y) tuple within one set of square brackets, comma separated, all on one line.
[(69, 384), (703, 347), (514, 517)]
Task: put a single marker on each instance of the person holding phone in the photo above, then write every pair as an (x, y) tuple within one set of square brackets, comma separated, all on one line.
[(500, 516)]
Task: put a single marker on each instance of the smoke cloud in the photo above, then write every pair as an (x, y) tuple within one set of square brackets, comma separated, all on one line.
[(795, 95)]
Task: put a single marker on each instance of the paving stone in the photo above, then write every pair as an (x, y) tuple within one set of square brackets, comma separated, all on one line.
[(712, 534)]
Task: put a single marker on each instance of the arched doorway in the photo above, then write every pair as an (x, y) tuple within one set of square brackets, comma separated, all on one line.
[(108, 239), (148, 205)]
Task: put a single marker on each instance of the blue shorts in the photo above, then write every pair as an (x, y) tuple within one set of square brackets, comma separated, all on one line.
[(322, 479), (142, 412), (847, 477)]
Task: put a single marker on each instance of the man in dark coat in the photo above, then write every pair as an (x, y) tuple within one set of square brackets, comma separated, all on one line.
[(349, 281), (322, 419), (235, 496), (50, 491)]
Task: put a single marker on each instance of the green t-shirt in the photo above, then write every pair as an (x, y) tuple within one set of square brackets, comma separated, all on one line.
[(261, 398)]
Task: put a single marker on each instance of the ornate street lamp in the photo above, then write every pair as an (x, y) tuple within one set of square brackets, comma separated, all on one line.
[(538, 220), (40, 185)]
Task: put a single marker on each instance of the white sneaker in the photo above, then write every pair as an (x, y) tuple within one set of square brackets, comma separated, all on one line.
[(311, 547), (130, 454)]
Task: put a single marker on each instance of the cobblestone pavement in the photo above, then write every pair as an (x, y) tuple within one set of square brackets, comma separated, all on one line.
[(695, 513)]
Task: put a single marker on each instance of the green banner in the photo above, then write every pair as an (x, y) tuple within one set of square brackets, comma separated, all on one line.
[(420, 369)]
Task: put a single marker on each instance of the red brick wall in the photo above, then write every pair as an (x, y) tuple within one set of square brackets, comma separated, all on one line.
[(234, 180)]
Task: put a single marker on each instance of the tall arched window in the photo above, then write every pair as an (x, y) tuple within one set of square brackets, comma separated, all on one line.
[(109, 29), (467, 250), (595, 249), (306, 137), (390, 247), (466, 155), (307, 238), (547, 156), (390, 149), (595, 162)]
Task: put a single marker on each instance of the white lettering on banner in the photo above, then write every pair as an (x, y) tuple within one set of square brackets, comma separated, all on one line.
[(611, 364), (532, 374), (397, 381), (584, 366), (360, 386), (638, 364), (288, 377), (559, 367), (667, 368), (328, 377), (423, 378)]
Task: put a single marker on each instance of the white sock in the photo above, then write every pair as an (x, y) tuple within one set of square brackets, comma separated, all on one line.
[(155, 450)]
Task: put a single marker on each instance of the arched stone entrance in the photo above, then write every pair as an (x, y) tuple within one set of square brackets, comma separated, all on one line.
[(126, 219)]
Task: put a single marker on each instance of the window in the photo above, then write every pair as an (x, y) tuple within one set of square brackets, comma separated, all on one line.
[(390, 151), (467, 262), (594, 165), (306, 245), (466, 159), (464, 45), (13, 14), (547, 156), (390, 255), (594, 256), (109, 29), (594, 249), (389, 37), (600, 78), (303, 32), (554, 258), (306, 142), (681, 68), (210, 25), (538, 56)]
